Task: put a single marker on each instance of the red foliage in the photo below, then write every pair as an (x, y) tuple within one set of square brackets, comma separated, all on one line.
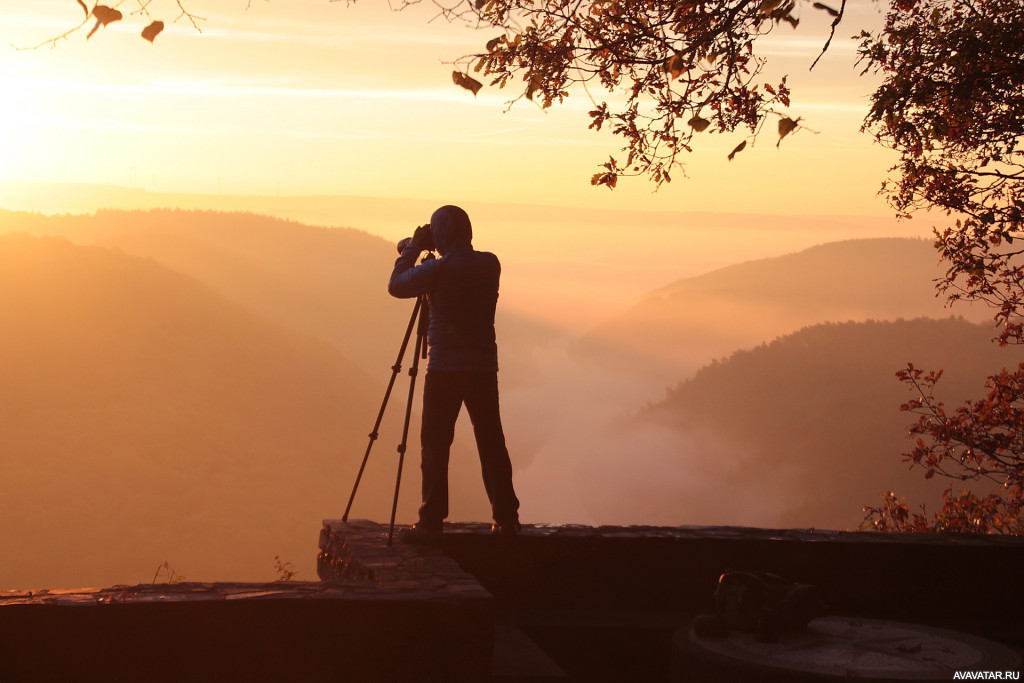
[(980, 440), (965, 512), (952, 105), (677, 69)]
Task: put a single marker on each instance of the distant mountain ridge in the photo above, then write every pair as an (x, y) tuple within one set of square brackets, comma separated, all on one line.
[(568, 265), (681, 326), (147, 418), (326, 282), (322, 281)]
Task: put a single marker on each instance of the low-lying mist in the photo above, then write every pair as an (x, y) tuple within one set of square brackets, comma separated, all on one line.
[(197, 388), (800, 432)]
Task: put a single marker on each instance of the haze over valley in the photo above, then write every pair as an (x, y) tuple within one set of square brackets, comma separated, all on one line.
[(196, 387)]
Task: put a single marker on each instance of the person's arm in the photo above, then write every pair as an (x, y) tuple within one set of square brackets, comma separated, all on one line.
[(407, 279)]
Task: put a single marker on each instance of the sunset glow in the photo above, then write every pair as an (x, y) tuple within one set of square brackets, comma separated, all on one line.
[(196, 237), (314, 97)]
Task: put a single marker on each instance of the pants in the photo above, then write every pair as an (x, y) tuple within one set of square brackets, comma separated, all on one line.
[(443, 396)]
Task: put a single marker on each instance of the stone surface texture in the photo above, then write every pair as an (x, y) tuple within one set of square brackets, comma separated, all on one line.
[(569, 603)]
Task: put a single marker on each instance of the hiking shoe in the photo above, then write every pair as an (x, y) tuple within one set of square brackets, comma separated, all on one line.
[(507, 530), (420, 534)]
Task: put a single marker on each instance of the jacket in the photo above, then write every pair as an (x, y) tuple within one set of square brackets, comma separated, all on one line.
[(461, 291)]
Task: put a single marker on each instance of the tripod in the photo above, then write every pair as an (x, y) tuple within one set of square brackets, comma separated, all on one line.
[(421, 311)]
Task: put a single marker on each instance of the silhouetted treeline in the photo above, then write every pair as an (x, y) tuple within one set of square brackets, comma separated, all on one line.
[(808, 425)]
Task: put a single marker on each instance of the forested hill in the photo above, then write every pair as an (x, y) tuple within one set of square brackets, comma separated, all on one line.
[(197, 387), (684, 325), (146, 418), (326, 282), (806, 430)]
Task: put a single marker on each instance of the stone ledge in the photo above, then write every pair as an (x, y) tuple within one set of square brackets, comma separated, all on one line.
[(599, 601), (190, 591), (358, 550), (397, 616), (741, 533)]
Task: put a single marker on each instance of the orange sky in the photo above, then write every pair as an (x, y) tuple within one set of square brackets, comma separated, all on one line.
[(312, 96), (277, 100)]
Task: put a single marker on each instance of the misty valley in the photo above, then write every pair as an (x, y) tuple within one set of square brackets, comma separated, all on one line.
[(195, 388)]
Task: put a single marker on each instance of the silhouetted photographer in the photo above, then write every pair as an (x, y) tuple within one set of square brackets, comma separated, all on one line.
[(461, 290)]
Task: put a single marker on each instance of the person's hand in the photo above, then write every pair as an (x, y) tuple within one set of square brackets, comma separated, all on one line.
[(422, 237)]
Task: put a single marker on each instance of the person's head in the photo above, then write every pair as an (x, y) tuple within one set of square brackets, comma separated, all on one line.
[(451, 229)]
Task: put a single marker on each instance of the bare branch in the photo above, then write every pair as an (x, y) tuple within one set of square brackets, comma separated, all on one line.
[(832, 34), (193, 19)]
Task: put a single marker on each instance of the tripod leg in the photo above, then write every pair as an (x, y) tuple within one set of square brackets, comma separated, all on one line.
[(395, 369), (413, 371)]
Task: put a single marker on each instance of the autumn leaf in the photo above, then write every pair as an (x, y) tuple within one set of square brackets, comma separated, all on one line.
[(737, 149), (151, 31), (535, 83), (786, 126), (675, 66), (825, 8), (104, 15), (699, 124), (467, 82)]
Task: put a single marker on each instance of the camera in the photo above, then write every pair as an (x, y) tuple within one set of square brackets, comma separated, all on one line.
[(425, 236)]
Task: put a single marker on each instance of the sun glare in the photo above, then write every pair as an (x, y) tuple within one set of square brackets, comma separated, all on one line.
[(314, 99), (18, 126)]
